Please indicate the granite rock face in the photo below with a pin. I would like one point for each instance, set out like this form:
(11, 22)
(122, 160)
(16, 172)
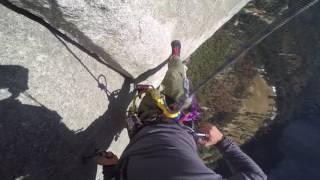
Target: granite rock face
(52, 111)
(133, 36)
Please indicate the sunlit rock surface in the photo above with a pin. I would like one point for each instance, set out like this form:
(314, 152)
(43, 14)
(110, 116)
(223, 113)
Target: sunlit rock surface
(133, 36)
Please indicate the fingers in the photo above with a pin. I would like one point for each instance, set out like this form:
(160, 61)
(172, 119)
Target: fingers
(205, 128)
(110, 155)
(202, 141)
(206, 125)
(106, 158)
(214, 134)
(105, 154)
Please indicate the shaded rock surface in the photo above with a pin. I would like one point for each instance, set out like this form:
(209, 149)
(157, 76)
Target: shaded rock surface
(51, 109)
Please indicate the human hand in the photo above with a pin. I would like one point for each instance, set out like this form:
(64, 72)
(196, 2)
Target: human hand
(106, 158)
(214, 135)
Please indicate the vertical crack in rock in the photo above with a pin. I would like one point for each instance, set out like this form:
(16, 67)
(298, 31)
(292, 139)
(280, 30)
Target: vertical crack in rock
(85, 44)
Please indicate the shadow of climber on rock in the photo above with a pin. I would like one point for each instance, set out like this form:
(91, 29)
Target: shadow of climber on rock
(30, 136)
(34, 142)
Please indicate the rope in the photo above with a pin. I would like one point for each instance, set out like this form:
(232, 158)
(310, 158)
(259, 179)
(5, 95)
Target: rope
(277, 24)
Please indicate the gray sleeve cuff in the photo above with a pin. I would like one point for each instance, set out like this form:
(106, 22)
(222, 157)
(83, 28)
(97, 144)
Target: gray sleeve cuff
(224, 144)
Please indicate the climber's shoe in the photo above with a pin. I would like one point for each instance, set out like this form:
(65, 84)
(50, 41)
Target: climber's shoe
(176, 47)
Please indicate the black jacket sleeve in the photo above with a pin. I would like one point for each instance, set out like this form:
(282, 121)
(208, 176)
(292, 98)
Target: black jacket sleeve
(110, 173)
(242, 166)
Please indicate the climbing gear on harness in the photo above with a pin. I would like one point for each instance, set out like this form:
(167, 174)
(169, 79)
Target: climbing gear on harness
(158, 98)
(134, 123)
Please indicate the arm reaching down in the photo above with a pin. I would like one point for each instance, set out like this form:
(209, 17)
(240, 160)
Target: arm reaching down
(109, 161)
(242, 166)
